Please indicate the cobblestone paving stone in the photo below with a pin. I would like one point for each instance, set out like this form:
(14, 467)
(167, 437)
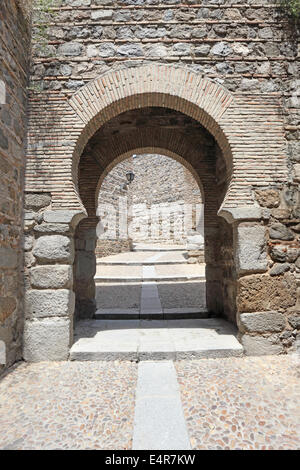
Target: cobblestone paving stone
(242, 403)
(228, 403)
(68, 405)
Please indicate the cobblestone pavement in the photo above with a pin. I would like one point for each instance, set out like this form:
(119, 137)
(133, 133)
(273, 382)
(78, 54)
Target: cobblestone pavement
(68, 405)
(242, 403)
(245, 403)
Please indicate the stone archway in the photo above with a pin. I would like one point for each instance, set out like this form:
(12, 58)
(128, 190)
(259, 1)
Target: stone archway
(245, 131)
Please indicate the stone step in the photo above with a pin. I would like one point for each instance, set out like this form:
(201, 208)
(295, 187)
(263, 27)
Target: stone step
(130, 279)
(157, 247)
(151, 273)
(140, 340)
(143, 259)
(139, 263)
(162, 314)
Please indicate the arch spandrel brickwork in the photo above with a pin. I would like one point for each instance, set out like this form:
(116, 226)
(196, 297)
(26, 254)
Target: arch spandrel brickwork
(248, 129)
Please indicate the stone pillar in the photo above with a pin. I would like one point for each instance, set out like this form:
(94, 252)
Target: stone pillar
(49, 297)
(85, 268)
(266, 248)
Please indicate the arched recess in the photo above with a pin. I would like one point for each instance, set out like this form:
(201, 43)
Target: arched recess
(93, 170)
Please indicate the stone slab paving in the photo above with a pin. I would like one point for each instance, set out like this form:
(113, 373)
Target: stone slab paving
(68, 405)
(159, 423)
(153, 340)
(242, 403)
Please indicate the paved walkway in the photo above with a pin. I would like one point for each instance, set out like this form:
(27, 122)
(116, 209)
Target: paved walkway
(140, 284)
(225, 403)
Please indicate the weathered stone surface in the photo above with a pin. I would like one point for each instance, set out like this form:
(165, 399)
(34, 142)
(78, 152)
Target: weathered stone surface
(292, 254)
(262, 322)
(251, 249)
(241, 213)
(294, 320)
(37, 201)
(260, 346)
(297, 172)
(49, 303)
(52, 277)
(268, 197)
(52, 228)
(61, 216)
(28, 242)
(102, 14)
(70, 49)
(258, 293)
(222, 49)
(47, 340)
(279, 268)
(279, 253)
(54, 248)
(280, 232)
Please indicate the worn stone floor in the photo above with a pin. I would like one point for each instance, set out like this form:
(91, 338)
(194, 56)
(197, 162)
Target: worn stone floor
(224, 403)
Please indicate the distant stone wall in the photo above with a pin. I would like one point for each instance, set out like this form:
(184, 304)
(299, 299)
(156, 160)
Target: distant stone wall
(14, 63)
(155, 201)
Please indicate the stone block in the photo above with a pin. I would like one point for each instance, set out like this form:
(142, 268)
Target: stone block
(240, 213)
(49, 303)
(98, 15)
(47, 340)
(268, 198)
(37, 201)
(259, 293)
(54, 248)
(279, 268)
(52, 228)
(70, 49)
(262, 322)
(61, 216)
(260, 346)
(279, 253)
(281, 232)
(294, 320)
(28, 242)
(251, 253)
(297, 172)
(52, 277)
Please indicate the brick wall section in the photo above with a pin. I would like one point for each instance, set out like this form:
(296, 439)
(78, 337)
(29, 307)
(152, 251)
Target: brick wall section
(14, 68)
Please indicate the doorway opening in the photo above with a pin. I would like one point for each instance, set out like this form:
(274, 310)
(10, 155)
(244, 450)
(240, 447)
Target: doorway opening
(150, 241)
(204, 287)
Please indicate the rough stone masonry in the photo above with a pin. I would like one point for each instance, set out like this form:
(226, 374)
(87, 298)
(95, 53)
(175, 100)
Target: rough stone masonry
(227, 74)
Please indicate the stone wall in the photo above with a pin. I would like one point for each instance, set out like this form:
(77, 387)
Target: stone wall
(14, 68)
(154, 202)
